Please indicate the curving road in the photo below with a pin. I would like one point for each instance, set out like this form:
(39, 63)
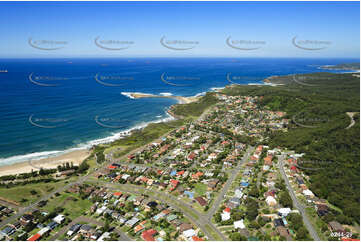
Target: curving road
(201, 220)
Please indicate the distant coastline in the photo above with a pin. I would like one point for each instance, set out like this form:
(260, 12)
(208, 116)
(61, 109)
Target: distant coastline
(342, 67)
(43, 157)
(180, 99)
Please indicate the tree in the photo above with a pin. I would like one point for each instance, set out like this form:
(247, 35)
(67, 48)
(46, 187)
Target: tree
(302, 233)
(217, 217)
(237, 215)
(286, 200)
(251, 209)
(254, 192)
(235, 236)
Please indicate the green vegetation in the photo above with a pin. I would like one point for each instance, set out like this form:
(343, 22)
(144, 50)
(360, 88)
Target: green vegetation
(195, 109)
(28, 193)
(345, 66)
(74, 206)
(321, 111)
(200, 188)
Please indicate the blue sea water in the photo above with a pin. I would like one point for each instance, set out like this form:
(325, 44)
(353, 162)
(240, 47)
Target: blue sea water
(49, 106)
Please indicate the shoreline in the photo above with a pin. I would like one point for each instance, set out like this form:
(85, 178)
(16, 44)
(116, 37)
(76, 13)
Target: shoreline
(54, 158)
(180, 99)
(78, 155)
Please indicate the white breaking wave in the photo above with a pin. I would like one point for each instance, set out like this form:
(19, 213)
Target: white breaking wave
(166, 94)
(216, 88)
(46, 154)
(200, 94)
(129, 94)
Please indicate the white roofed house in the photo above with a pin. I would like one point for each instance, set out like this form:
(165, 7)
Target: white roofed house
(59, 219)
(284, 212)
(189, 233)
(308, 193)
(239, 224)
(101, 210)
(271, 201)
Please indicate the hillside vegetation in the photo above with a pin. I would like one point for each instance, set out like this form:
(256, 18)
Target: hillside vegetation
(317, 104)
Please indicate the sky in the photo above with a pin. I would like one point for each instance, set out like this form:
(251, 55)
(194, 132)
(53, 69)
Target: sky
(180, 29)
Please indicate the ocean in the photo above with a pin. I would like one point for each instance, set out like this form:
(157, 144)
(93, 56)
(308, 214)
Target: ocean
(52, 106)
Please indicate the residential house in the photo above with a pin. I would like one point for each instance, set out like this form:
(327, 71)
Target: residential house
(336, 227)
(183, 227)
(148, 235)
(201, 201)
(282, 231)
(226, 214)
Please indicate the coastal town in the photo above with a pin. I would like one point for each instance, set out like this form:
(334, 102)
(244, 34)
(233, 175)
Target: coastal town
(210, 179)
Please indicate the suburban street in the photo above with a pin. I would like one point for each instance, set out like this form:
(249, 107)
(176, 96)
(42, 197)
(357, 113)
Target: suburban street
(228, 184)
(122, 235)
(299, 206)
(200, 220)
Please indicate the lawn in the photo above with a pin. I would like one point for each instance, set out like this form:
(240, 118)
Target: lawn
(200, 188)
(212, 232)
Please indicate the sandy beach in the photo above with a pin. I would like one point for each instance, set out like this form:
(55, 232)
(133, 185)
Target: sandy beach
(182, 100)
(79, 155)
(76, 157)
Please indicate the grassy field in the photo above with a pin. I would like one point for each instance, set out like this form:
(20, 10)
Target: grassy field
(211, 231)
(31, 192)
(72, 204)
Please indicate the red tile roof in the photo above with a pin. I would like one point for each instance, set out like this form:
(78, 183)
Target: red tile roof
(148, 235)
(180, 173)
(174, 182)
(195, 238)
(201, 201)
(35, 237)
(197, 175)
